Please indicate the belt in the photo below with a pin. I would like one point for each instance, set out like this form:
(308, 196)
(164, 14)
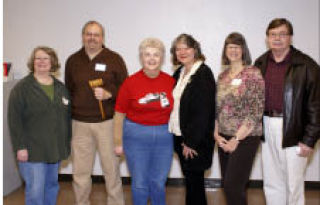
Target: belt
(273, 113)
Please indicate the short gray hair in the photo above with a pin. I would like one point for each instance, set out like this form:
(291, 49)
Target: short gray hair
(89, 23)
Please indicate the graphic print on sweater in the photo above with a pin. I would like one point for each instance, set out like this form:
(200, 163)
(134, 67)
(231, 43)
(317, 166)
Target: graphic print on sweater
(151, 97)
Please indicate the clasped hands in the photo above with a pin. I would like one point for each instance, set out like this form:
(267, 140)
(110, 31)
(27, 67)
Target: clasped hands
(228, 146)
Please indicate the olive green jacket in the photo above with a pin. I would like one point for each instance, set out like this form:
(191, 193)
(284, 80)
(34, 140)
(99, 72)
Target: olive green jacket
(40, 125)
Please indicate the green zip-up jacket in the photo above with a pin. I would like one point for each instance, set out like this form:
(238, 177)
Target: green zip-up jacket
(38, 124)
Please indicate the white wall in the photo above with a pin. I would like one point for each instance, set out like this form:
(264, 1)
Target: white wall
(58, 24)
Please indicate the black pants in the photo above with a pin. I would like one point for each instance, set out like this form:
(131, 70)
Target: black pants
(194, 180)
(236, 168)
(195, 191)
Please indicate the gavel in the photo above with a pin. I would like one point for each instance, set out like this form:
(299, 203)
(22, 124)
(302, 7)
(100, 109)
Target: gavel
(97, 83)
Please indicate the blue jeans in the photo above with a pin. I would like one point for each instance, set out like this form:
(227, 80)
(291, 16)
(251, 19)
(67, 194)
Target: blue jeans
(41, 181)
(148, 150)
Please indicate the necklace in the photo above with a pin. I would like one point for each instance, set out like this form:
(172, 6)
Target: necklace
(234, 72)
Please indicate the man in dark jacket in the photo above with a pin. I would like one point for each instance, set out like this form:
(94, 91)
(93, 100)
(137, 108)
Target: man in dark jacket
(292, 115)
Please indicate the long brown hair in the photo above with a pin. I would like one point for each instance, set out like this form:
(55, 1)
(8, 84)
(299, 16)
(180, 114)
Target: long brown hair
(238, 39)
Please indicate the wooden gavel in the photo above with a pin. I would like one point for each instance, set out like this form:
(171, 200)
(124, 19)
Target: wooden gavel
(97, 83)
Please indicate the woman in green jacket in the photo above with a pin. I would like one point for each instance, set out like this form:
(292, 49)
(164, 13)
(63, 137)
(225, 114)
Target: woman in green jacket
(40, 127)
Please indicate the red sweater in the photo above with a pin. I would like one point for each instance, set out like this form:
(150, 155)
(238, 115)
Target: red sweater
(145, 100)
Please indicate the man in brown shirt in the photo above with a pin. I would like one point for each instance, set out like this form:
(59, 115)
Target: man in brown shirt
(92, 112)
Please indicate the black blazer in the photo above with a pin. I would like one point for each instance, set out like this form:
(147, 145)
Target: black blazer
(197, 117)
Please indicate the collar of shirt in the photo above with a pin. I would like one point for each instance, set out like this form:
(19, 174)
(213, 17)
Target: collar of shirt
(286, 60)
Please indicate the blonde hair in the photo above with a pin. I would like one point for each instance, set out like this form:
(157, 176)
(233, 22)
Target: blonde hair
(152, 43)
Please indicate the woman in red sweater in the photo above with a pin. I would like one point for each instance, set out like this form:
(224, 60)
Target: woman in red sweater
(141, 119)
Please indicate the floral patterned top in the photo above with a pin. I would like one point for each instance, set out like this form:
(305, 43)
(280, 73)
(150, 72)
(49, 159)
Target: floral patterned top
(240, 101)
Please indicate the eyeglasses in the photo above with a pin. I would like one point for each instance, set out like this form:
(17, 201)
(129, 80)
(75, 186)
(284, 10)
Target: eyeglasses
(95, 35)
(229, 47)
(182, 49)
(41, 59)
(280, 35)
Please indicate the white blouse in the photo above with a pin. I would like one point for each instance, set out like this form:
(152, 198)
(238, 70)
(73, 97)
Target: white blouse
(174, 121)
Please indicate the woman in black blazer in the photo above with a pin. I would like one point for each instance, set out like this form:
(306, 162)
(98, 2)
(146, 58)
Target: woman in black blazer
(193, 116)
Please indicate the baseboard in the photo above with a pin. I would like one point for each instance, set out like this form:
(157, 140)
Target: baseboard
(209, 183)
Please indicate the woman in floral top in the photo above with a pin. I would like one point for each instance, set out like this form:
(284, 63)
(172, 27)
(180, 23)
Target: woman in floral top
(240, 105)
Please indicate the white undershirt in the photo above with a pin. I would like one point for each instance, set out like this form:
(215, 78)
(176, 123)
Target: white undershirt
(174, 122)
